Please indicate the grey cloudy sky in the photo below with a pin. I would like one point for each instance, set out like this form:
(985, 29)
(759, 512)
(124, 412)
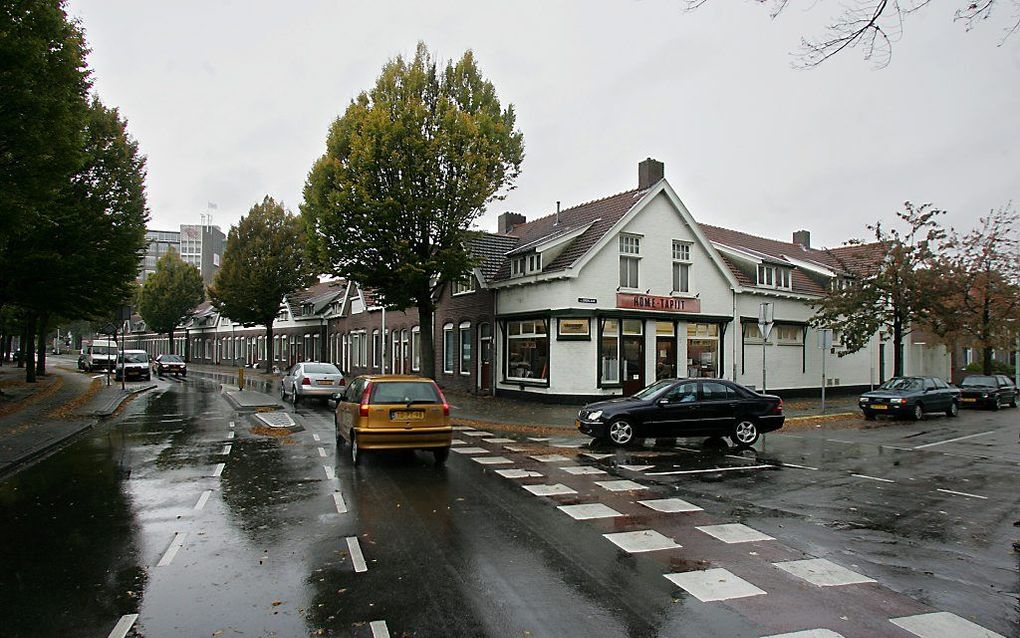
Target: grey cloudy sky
(231, 100)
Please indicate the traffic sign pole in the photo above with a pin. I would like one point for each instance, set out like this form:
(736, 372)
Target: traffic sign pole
(765, 323)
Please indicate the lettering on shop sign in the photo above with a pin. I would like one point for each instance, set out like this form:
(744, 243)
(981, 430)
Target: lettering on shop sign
(656, 302)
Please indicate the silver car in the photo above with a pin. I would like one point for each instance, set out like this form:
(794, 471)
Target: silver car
(311, 379)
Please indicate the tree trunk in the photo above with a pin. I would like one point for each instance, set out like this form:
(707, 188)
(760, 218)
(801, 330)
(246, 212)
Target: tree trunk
(28, 348)
(269, 348)
(426, 311)
(3, 348)
(170, 343)
(40, 361)
(986, 360)
(986, 347)
(897, 345)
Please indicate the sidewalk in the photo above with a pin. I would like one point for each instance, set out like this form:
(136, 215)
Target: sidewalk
(71, 405)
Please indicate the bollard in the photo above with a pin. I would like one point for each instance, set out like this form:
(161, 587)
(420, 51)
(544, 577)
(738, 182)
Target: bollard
(240, 379)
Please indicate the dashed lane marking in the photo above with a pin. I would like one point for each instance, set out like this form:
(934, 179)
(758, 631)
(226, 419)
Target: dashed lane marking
(171, 551)
(498, 439)
(98, 376)
(518, 474)
(799, 467)
(550, 458)
(315, 437)
(620, 486)
(218, 470)
(202, 500)
(710, 470)
(823, 573)
(123, 626)
(461, 428)
(477, 433)
(635, 468)
(555, 489)
(873, 478)
(734, 533)
(469, 450)
(959, 438)
(329, 472)
(230, 434)
(379, 629)
(226, 449)
(644, 540)
(491, 460)
(457, 442)
(597, 457)
(670, 505)
(231, 424)
(808, 633)
(942, 624)
(322, 452)
(582, 469)
(586, 511)
(341, 505)
(708, 585)
(968, 495)
(538, 439)
(357, 558)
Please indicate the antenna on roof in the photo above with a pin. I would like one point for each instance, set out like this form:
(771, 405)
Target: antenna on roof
(557, 213)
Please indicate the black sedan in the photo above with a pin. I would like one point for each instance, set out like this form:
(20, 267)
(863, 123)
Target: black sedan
(684, 408)
(911, 397)
(170, 364)
(990, 391)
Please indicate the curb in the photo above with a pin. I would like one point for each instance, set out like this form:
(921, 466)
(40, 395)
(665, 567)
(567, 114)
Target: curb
(103, 414)
(807, 418)
(249, 408)
(39, 454)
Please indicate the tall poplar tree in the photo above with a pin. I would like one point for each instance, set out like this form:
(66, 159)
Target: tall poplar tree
(408, 167)
(264, 261)
(169, 295)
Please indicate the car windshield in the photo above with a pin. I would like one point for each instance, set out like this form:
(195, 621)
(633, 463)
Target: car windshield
(170, 358)
(902, 384)
(653, 389)
(103, 350)
(404, 392)
(321, 368)
(976, 380)
(133, 357)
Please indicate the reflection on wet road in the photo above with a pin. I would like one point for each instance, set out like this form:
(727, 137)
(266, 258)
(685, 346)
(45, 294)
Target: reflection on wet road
(179, 513)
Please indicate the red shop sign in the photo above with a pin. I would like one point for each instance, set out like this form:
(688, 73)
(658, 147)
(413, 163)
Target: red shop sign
(658, 303)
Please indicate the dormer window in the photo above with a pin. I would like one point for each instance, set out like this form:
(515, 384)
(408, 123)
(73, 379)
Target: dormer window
(464, 286)
(306, 309)
(526, 265)
(774, 277)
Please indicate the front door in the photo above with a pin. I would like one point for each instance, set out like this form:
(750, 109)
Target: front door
(485, 357)
(633, 364)
(665, 358)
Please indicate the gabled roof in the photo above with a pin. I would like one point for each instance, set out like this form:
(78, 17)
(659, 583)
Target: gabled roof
(320, 295)
(858, 258)
(490, 250)
(600, 214)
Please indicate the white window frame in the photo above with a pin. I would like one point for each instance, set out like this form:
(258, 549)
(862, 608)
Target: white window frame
(376, 348)
(448, 348)
(415, 349)
(464, 339)
(464, 286)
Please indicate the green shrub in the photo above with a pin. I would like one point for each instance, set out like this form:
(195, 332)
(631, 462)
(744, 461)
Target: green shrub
(998, 367)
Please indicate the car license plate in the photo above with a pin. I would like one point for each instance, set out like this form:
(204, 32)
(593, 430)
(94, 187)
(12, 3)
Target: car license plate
(324, 382)
(407, 415)
(965, 400)
(879, 407)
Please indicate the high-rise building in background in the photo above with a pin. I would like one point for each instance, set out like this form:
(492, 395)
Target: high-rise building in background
(200, 245)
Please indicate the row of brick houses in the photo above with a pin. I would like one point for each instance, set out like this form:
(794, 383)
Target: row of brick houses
(593, 300)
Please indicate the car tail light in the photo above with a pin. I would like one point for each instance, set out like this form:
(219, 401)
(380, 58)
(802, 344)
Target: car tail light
(446, 404)
(779, 407)
(341, 381)
(306, 381)
(363, 408)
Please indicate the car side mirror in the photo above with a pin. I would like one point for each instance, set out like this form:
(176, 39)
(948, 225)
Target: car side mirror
(662, 403)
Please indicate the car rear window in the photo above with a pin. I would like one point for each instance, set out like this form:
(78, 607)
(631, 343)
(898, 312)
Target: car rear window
(133, 357)
(170, 358)
(321, 368)
(978, 381)
(404, 392)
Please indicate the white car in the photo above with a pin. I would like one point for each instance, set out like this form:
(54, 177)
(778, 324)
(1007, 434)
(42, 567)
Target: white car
(311, 379)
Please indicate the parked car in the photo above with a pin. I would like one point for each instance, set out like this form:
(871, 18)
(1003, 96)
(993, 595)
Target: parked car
(170, 364)
(991, 391)
(311, 379)
(101, 354)
(684, 408)
(82, 365)
(912, 397)
(133, 364)
(378, 412)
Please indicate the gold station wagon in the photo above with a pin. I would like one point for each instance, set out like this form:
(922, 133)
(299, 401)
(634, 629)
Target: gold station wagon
(387, 412)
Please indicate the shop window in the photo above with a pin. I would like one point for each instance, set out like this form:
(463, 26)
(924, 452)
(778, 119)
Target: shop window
(465, 348)
(448, 352)
(609, 363)
(527, 351)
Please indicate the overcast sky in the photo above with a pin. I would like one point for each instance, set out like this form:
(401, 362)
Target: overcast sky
(232, 100)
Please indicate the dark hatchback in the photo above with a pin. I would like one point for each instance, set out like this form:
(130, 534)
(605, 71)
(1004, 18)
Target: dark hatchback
(911, 397)
(987, 391)
(684, 408)
(170, 364)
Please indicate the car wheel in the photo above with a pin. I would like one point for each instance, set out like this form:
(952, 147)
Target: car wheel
(440, 455)
(953, 409)
(918, 412)
(295, 398)
(283, 391)
(868, 416)
(1012, 402)
(354, 451)
(995, 404)
(148, 377)
(621, 432)
(745, 433)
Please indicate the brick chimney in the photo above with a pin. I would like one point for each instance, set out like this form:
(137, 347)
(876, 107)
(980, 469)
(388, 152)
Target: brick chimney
(802, 237)
(507, 221)
(649, 172)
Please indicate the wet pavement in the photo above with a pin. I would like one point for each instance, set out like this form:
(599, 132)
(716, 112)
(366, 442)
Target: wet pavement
(179, 518)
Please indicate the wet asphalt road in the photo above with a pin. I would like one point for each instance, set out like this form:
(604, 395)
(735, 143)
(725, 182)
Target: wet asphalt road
(204, 529)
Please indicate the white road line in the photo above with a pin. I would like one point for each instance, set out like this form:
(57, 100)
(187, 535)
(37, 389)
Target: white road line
(872, 478)
(841, 441)
(98, 376)
(226, 449)
(714, 469)
(315, 437)
(983, 498)
(329, 472)
(202, 500)
(322, 452)
(379, 629)
(688, 449)
(799, 467)
(230, 434)
(959, 438)
(341, 505)
(123, 625)
(219, 469)
(171, 551)
(231, 424)
(357, 558)
(897, 447)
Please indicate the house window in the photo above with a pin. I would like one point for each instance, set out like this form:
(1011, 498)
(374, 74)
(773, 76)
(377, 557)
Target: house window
(463, 286)
(573, 328)
(788, 335)
(630, 257)
(518, 266)
(609, 359)
(415, 349)
(534, 263)
(774, 277)
(681, 266)
(527, 351)
(465, 348)
(448, 353)
(376, 348)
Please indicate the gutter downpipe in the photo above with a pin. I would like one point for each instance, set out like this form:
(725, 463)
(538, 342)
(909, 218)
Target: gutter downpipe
(737, 327)
(382, 340)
